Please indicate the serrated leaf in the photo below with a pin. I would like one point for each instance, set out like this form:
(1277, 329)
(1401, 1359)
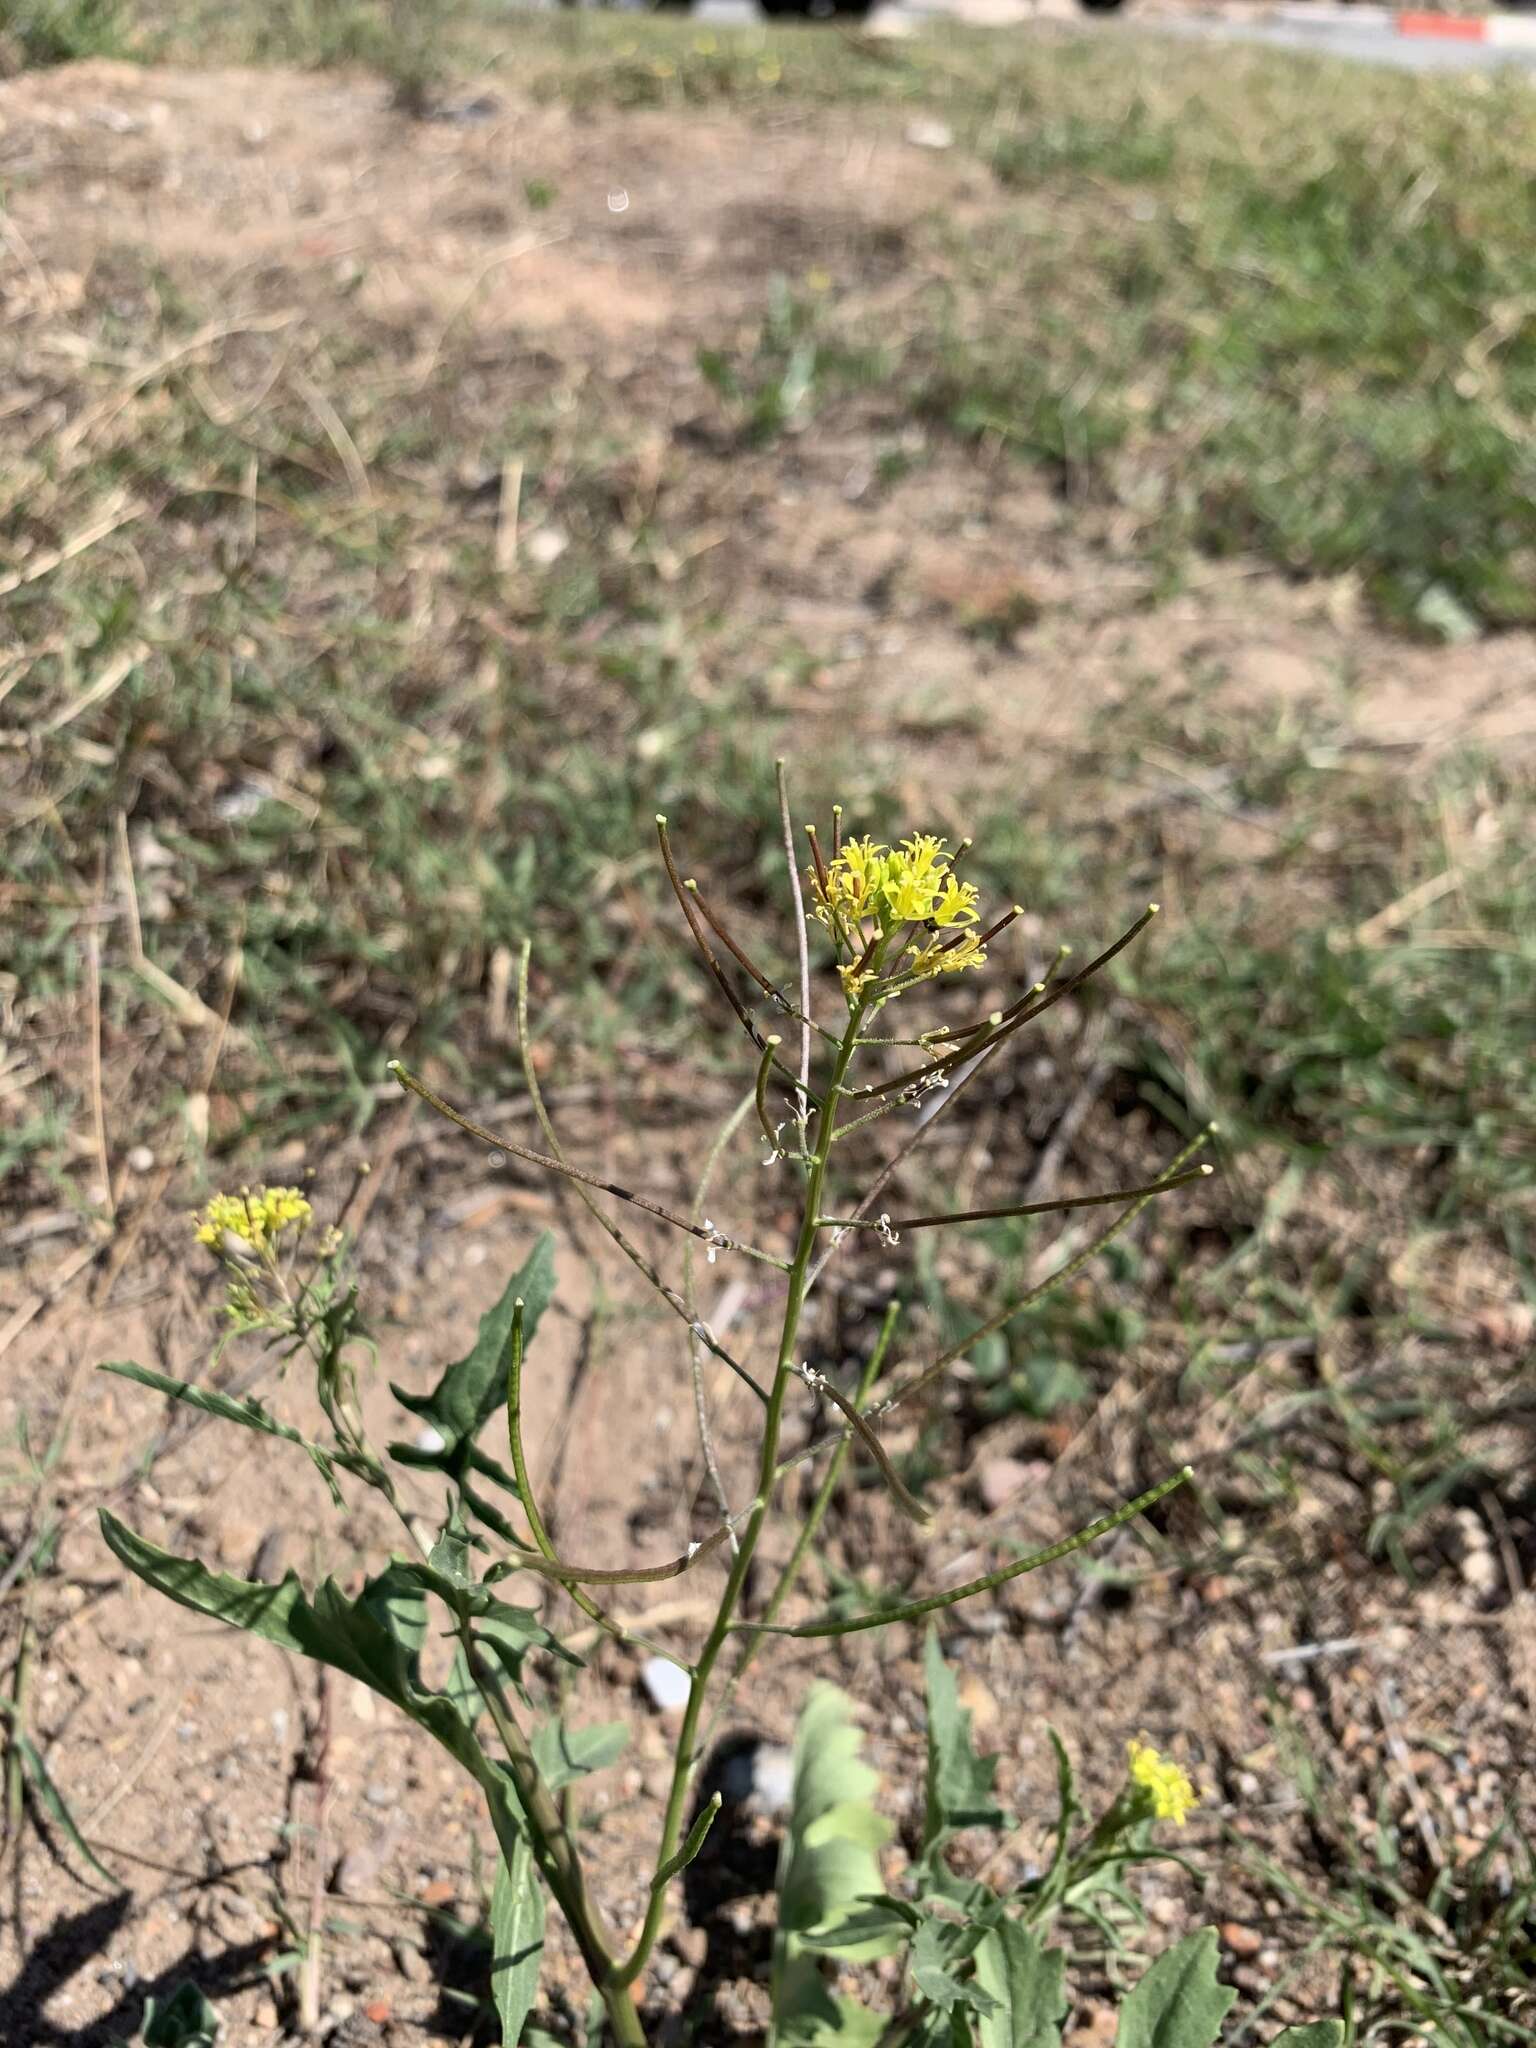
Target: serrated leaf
(1025, 1978)
(510, 1630)
(1179, 2003)
(932, 1966)
(374, 1639)
(507, 1637)
(250, 1604)
(959, 1781)
(564, 1754)
(874, 1920)
(517, 1940)
(449, 1555)
(470, 1391)
(248, 1413)
(377, 1637)
(1311, 2034)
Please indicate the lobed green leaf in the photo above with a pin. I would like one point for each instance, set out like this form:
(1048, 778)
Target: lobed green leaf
(374, 1638)
(564, 1754)
(959, 1783)
(832, 1898)
(1025, 1980)
(939, 1946)
(248, 1413)
(1179, 2003)
(470, 1391)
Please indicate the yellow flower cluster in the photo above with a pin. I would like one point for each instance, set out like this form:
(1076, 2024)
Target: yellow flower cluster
(255, 1216)
(1173, 1795)
(889, 887)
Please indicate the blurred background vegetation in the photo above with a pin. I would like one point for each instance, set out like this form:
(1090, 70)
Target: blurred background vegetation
(341, 652)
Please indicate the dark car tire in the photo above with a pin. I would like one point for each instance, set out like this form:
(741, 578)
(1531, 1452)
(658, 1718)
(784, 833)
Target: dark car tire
(814, 10)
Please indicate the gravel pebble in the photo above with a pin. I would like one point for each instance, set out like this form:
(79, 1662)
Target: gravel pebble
(666, 1684)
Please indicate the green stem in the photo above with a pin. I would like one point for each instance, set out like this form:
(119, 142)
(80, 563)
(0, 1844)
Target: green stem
(553, 1849)
(784, 1372)
(536, 1526)
(554, 1853)
(15, 1784)
(914, 1610)
(723, 1138)
(813, 1521)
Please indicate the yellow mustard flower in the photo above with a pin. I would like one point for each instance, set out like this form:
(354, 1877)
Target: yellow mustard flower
(872, 890)
(1172, 1793)
(254, 1217)
(943, 956)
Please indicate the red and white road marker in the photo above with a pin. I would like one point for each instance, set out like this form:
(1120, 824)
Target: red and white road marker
(1504, 31)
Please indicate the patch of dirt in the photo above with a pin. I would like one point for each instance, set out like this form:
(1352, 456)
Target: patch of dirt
(187, 1752)
(311, 193)
(236, 170)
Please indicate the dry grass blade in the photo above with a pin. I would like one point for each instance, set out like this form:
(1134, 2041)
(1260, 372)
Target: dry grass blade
(69, 442)
(109, 677)
(117, 512)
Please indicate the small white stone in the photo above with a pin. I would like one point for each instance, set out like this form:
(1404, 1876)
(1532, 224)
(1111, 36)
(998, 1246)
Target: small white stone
(430, 1439)
(141, 1160)
(545, 546)
(773, 1777)
(927, 134)
(666, 1684)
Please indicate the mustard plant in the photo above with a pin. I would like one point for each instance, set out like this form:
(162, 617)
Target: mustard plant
(874, 926)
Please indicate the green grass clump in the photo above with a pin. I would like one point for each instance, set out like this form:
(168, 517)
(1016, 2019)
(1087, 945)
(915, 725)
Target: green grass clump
(1441, 1946)
(348, 761)
(1264, 305)
(1359, 988)
(62, 31)
(1271, 308)
(1275, 318)
(798, 358)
